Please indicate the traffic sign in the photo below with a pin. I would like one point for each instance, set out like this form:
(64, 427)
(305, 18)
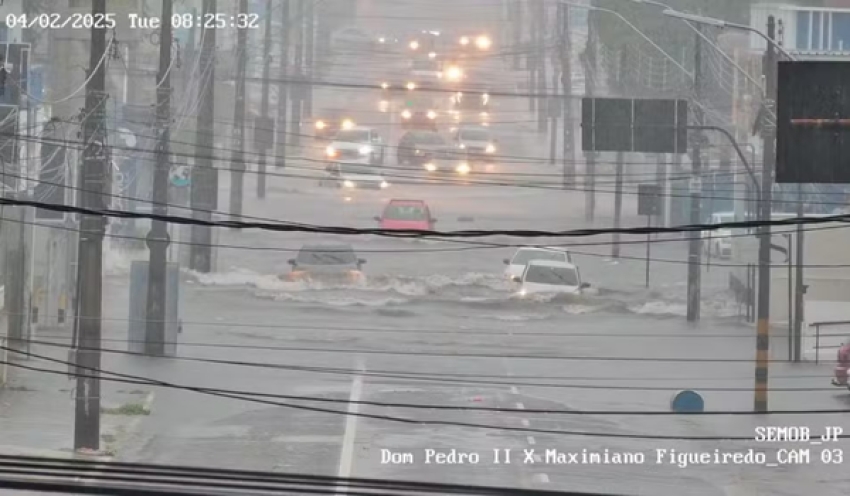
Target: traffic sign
(180, 176)
(649, 199)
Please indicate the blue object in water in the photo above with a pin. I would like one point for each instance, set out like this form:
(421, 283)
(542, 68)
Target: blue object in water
(687, 401)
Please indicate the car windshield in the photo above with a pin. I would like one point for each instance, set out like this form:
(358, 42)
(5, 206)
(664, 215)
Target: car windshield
(474, 135)
(524, 256)
(405, 212)
(555, 276)
(429, 139)
(425, 65)
(352, 136)
(319, 255)
(358, 169)
(472, 102)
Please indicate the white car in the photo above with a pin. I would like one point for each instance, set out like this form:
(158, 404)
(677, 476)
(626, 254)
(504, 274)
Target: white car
(353, 176)
(477, 142)
(516, 264)
(357, 145)
(548, 277)
(718, 243)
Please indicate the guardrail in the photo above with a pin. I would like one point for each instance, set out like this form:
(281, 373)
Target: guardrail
(818, 335)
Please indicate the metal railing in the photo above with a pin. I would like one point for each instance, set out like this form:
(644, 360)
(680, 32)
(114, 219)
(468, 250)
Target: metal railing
(818, 325)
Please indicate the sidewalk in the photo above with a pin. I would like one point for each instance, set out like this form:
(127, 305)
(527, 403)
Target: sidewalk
(37, 407)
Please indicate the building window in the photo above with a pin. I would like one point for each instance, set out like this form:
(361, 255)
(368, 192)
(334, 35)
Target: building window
(4, 32)
(841, 31)
(817, 32)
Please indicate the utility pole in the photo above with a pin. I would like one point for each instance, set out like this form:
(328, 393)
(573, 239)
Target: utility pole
(542, 101)
(799, 288)
(158, 236)
(237, 158)
(204, 174)
(554, 107)
(282, 88)
(298, 63)
(264, 105)
(92, 229)
(309, 57)
(531, 58)
(695, 244)
(589, 61)
(518, 8)
(569, 159)
(769, 154)
(618, 207)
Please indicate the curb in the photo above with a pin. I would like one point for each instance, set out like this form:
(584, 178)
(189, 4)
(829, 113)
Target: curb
(43, 453)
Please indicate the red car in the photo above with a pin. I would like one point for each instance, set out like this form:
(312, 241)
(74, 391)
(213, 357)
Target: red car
(406, 214)
(842, 367)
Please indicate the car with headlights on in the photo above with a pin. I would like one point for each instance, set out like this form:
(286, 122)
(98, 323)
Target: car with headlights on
(551, 277)
(354, 176)
(406, 214)
(330, 122)
(718, 242)
(362, 145)
(471, 107)
(447, 161)
(326, 263)
(515, 265)
(476, 142)
(416, 148)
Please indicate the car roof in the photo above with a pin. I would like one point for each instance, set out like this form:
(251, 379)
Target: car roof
(359, 128)
(397, 201)
(553, 264)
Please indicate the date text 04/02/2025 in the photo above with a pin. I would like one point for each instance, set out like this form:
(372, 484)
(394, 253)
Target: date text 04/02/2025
(666, 456)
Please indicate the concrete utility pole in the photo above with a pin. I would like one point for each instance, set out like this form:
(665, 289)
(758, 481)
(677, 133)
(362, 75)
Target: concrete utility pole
(769, 154)
(237, 158)
(517, 24)
(531, 57)
(158, 236)
(695, 244)
(297, 93)
(618, 207)
(282, 88)
(264, 105)
(309, 56)
(569, 159)
(589, 61)
(542, 101)
(554, 106)
(204, 174)
(92, 228)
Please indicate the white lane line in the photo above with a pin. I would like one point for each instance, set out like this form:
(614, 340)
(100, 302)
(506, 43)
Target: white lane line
(541, 478)
(524, 422)
(531, 440)
(514, 390)
(520, 406)
(346, 455)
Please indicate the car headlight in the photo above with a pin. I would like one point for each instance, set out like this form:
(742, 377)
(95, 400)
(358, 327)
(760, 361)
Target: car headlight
(384, 185)
(484, 115)
(414, 45)
(483, 42)
(365, 150)
(432, 115)
(462, 168)
(462, 146)
(523, 292)
(384, 106)
(385, 85)
(430, 167)
(432, 55)
(454, 73)
(490, 148)
(347, 124)
(464, 40)
(348, 184)
(320, 125)
(411, 86)
(406, 114)
(330, 151)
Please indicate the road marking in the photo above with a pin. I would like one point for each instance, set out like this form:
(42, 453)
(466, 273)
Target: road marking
(514, 390)
(541, 478)
(350, 433)
(531, 440)
(524, 422)
(520, 406)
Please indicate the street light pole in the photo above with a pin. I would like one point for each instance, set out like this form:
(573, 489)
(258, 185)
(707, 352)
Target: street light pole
(695, 244)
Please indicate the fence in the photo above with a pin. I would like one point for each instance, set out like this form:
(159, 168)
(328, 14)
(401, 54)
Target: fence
(827, 340)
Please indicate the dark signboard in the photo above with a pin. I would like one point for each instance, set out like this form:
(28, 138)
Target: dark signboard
(627, 125)
(649, 199)
(813, 122)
